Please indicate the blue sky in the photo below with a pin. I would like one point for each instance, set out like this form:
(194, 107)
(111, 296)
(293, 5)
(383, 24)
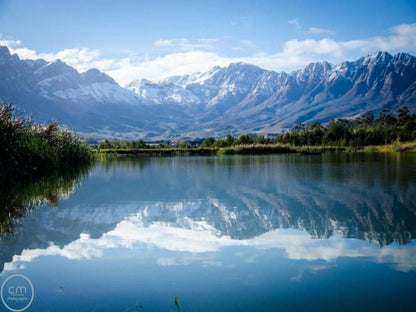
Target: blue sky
(155, 39)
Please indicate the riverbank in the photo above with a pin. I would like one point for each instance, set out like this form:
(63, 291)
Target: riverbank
(409, 147)
(202, 151)
(255, 149)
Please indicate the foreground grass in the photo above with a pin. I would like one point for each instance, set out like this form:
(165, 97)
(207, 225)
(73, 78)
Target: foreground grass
(29, 150)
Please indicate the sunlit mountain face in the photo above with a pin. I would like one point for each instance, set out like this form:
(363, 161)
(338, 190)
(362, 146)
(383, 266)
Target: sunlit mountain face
(238, 98)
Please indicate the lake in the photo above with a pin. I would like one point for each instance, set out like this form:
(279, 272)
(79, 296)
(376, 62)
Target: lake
(288, 232)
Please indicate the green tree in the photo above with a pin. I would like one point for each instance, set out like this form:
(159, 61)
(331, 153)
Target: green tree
(338, 133)
(104, 144)
(403, 114)
(229, 140)
(209, 142)
(368, 119)
(244, 139)
(141, 143)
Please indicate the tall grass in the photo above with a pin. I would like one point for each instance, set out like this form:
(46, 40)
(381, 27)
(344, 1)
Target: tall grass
(29, 150)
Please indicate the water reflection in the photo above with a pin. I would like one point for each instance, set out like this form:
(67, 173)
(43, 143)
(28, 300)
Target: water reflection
(188, 239)
(17, 198)
(367, 196)
(195, 207)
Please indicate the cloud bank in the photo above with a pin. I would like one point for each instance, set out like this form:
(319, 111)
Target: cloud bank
(184, 56)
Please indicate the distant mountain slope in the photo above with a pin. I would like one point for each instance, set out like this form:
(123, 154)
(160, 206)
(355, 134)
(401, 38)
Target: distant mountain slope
(246, 97)
(90, 102)
(239, 98)
(54, 90)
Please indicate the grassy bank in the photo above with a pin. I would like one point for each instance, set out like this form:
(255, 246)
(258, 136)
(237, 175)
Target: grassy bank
(395, 147)
(29, 150)
(171, 151)
(255, 149)
(202, 151)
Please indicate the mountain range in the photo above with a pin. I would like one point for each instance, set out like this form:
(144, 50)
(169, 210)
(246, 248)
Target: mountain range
(239, 98)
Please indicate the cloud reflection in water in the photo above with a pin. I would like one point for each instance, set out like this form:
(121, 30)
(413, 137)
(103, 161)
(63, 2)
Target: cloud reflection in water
(197, 241)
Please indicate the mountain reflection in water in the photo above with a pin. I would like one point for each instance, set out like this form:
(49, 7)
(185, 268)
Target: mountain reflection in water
(305, 205)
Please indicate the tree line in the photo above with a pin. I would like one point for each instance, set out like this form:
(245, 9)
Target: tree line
(365, 130)
(210, 142)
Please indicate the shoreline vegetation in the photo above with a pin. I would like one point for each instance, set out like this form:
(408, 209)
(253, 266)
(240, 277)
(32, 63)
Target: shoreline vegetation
(42, 163)
(390, 132)
(31, 151)
(38, 164)
(258, 150)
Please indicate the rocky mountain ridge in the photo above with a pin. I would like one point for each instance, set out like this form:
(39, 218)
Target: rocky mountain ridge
(239, 98)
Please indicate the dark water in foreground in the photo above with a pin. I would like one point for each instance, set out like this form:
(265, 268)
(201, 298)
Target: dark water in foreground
(263, 233)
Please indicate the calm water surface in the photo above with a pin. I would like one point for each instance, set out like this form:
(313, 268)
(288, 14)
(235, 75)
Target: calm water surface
(260, 233)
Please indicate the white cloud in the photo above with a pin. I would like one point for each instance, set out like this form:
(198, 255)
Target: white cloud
(80, 58)
(295, 54)
(208, 40)
(249, 43)
(311, 30)
(183, 63)
(295, 22)
(163, 43)
(319, 31)
(183, 56)
(172, 64)
(311, 46)
(184, 44)
(402, 37)
(9, 43)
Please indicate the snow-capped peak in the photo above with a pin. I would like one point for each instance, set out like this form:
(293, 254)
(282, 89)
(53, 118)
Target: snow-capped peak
(376, 58)
(94, 76)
